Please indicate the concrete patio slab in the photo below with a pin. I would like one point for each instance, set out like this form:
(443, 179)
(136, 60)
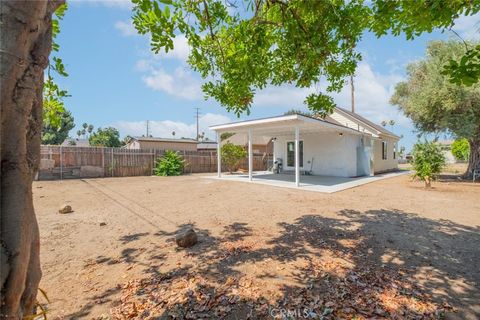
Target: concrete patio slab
(325, 184)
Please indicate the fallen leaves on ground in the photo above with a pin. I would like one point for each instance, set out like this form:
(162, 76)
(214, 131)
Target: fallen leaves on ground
(330, 290)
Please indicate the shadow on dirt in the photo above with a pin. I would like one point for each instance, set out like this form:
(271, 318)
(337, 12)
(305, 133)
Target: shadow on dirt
(384, 250)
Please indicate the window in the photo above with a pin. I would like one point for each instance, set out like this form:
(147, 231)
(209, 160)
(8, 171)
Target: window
(384, 150)
(291, 153)
(394, 152)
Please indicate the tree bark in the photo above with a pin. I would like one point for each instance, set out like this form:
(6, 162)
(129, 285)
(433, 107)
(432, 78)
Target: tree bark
(26, 37)
(474, 158)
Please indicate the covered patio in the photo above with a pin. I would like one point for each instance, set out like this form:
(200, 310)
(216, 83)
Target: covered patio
(324, 184)
(311, 153)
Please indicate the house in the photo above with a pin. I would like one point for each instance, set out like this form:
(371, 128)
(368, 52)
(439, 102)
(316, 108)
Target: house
(261, 145)
(75, 142)
(343, 144)
(207, 146)
(150, 143)
(446, 146)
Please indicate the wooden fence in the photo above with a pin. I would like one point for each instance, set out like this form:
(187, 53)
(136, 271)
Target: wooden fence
(59, 162)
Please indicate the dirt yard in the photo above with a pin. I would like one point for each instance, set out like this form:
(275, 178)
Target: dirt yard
(386, 249)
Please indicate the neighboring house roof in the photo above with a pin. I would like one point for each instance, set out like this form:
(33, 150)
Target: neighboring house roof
(445, 142)
(207, 145)
(152, 139)
(366, 122)
(78, 142)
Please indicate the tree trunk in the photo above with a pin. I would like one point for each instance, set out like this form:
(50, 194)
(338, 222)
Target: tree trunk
(474, 158)
(26, 36)
(428, 182)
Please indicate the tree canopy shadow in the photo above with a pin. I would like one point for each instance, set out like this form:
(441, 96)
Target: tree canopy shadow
(439, 256)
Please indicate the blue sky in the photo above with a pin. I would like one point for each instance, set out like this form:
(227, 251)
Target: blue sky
(115, 80)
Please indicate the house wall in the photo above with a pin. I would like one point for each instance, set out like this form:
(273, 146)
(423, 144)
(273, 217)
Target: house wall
(379, 164)
(333, 155)
(343, 120)
(163, 145)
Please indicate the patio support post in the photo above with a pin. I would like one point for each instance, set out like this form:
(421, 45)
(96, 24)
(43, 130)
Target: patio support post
(250, 155)
(297, 156)
(372, 157)
(219, 156)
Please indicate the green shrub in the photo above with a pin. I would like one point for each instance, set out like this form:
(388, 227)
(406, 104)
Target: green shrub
(428, 161)
(461, 149)
(232, 155)
(171, 164)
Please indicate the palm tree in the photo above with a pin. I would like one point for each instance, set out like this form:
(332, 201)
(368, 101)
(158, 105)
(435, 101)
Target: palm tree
(384, 123)
(90, 128)
(391, 123)
(79, 133)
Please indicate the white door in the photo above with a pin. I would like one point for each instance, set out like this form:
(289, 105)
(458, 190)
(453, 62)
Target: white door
(291, 154)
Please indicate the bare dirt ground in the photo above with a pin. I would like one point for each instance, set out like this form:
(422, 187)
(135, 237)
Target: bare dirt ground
(380, 250)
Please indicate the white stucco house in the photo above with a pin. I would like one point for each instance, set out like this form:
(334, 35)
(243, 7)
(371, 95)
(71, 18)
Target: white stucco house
(343, 144)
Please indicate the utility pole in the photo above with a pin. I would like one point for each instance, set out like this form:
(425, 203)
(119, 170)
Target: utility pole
(352, 88)
(147, 130)
(197, 116)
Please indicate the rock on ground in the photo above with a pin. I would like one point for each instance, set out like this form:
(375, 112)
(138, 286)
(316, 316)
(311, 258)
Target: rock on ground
(186, 238)
(65, 208)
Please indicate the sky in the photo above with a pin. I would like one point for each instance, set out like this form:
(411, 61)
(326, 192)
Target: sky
(115, 80)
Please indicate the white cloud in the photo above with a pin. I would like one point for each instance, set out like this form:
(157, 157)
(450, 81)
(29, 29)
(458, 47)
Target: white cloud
(468, 27)
(126, 28)
(180, 51)
(180, 83)
(122, 4)
(165, 128)
(285, 96)
(372, 94)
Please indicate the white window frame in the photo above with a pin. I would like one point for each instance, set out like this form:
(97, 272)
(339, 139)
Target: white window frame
(384, 150)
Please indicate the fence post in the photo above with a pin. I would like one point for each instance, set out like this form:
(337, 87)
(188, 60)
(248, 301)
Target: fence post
(61, 162)
(112, 163)
(153, 160)
(103, 161)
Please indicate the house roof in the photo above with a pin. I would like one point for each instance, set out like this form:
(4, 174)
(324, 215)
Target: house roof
(78, 142)
(283, 121)
(156, 139)
(367, 122)
(207, 145)
(300, 118)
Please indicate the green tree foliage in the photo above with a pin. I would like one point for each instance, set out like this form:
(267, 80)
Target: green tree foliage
(58, 133)
(232, 155)
(428, 161)
(226, 135)
(301, 112)
(461, 149)
(466, 69)
(53, 95)
(435, 104)
(108, 137)
(239, 47)
(171, 164)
